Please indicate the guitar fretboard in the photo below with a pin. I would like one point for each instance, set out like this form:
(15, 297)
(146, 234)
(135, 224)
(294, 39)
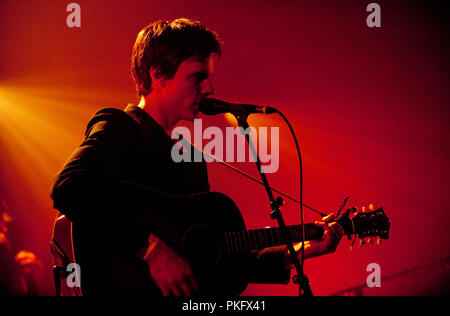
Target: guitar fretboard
(247, 240)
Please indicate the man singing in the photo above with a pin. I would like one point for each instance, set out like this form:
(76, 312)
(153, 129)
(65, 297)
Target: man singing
(107, 187)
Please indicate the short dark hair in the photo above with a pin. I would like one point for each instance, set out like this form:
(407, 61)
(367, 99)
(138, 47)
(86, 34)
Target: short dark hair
(166, 45)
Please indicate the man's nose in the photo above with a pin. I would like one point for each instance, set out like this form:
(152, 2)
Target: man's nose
(207, 87)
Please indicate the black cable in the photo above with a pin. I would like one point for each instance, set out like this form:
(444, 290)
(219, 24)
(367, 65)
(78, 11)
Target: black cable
(302, 223)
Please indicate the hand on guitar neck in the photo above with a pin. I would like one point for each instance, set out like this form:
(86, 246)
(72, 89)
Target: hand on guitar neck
(333, 233)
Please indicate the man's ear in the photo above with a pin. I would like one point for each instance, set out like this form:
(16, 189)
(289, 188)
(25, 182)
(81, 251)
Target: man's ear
(157, 77)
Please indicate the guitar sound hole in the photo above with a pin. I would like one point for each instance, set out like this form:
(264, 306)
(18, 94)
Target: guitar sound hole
(201, 246)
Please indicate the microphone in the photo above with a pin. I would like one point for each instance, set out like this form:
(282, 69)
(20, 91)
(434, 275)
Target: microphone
(212, 106)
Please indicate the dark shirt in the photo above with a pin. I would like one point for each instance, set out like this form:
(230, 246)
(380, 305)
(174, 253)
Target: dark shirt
(106, 189)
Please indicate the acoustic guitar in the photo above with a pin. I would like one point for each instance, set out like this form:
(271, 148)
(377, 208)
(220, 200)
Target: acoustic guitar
(208, 230)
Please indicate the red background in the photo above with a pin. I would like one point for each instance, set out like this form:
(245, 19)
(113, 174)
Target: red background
(369, 105)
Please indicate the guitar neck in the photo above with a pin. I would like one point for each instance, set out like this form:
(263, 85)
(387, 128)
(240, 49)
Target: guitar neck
(257, 239)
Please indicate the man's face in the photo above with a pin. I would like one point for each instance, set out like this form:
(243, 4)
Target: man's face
(190, 84)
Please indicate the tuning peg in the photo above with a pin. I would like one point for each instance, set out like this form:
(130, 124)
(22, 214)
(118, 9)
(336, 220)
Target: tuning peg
(379, 241)
(362, 242)
(363, 209)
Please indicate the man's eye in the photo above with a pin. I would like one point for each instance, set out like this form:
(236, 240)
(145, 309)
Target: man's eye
(200, 77)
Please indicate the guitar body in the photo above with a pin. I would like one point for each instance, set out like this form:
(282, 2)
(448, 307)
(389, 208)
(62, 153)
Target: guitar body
(208, 217)
(195, 229)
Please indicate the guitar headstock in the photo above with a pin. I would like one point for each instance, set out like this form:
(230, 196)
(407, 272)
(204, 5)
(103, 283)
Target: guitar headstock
(373, 223)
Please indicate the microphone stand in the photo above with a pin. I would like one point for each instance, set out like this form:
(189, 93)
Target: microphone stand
(301, 279)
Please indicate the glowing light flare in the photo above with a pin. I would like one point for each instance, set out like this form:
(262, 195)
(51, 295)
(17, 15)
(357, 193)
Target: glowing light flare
(37, 133)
